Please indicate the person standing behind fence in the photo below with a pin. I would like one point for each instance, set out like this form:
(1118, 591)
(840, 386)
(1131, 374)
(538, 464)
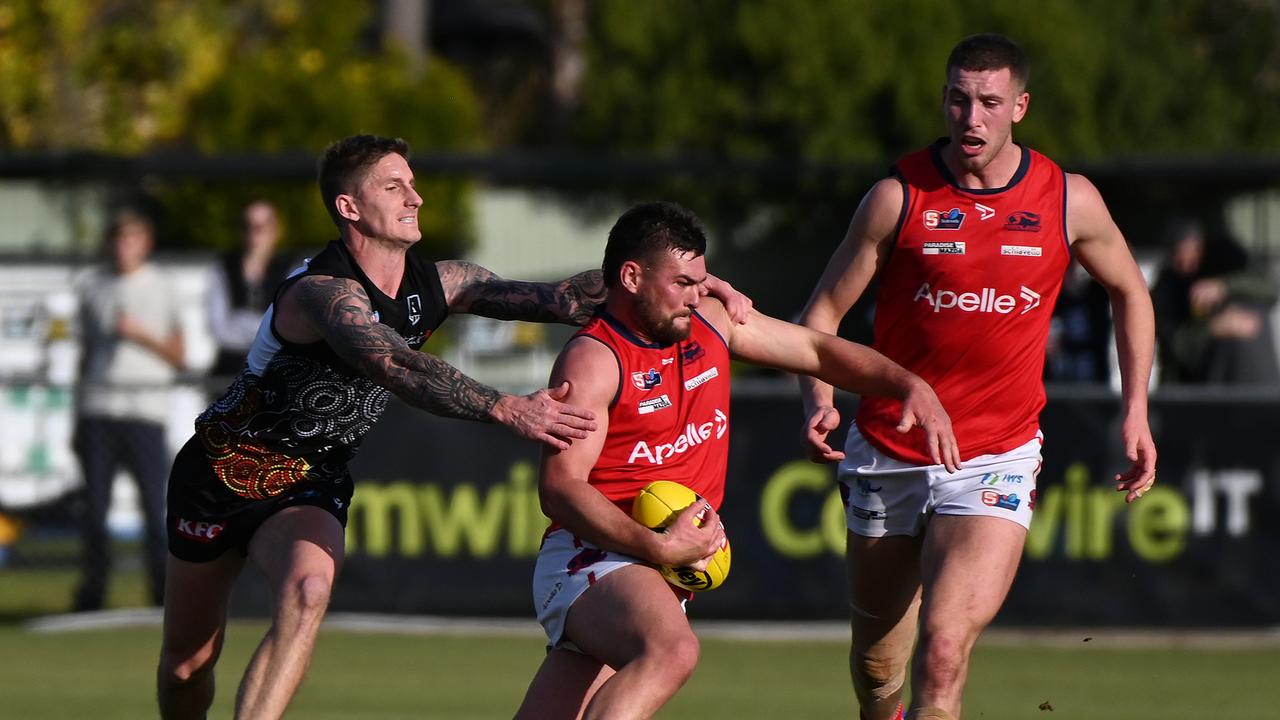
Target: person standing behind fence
(1212, 313)
(132, 347)
(241, 285)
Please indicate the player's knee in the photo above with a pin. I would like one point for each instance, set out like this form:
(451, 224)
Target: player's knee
(674, 654)
(309, 594)
(180, 668)
(877, 672)
(684, 654)
(943, 659)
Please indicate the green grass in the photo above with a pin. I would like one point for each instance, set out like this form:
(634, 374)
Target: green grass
(107, 674)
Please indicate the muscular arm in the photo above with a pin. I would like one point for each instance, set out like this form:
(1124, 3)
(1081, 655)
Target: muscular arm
(592, 374)
(469, 288)
(1101, 249)
(863, 252)
(339, 311)
(763, 340)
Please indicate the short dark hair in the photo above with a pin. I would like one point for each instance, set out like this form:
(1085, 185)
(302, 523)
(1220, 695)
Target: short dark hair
(126, 216)
(647, 230)
(990, 51)
(346, 162)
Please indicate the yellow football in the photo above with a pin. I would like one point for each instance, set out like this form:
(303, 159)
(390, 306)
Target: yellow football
(656, 507)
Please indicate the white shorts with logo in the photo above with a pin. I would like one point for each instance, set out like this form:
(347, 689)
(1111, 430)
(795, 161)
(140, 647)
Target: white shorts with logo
(566, 567)
(884, 496)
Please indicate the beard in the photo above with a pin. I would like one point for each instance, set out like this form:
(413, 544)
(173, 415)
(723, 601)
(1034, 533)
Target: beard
(660, 327)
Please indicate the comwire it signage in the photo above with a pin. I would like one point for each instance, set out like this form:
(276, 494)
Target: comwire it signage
(446, 520)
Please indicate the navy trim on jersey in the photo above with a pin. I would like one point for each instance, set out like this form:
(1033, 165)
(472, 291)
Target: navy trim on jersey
(1066, 239)
(1024, 165)
(617, 392)
(626, 333)
(902, 214)
(711, 327)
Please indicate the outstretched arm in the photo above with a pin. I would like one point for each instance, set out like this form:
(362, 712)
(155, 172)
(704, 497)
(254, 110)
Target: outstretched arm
(767, 341)
(591, 372)
(470, 288)
(339, 311)
(1102, 250)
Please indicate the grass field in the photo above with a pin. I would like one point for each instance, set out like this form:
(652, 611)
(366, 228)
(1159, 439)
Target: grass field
(107, 674)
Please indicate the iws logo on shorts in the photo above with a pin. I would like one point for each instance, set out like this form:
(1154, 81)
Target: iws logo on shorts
(200, 531)
(1000, 500)
(998, 478)
(936, 220)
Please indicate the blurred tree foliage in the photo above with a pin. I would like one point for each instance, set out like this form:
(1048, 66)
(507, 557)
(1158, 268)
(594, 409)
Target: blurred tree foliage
(257, 76)
(860, 80)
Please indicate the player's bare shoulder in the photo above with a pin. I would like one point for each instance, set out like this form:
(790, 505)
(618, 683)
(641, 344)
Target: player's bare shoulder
(1087, 213)
(591, 369)
(881, 209)
(715, 313)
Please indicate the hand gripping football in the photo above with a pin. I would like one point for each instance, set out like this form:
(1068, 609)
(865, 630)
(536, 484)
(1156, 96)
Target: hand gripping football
(657, 507)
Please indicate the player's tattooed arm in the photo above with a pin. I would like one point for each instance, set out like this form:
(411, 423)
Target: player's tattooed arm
(341, 309)
(469, 288)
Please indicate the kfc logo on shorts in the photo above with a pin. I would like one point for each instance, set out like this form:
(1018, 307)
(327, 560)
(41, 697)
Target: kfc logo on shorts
(1004, 502)
(202, 532)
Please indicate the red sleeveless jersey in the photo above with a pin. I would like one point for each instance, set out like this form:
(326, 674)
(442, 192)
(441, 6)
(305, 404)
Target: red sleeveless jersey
(670, 418)
(965, 302)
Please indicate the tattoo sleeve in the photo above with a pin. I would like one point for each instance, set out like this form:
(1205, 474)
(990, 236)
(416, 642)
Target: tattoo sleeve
(342, 309)
(478, 291)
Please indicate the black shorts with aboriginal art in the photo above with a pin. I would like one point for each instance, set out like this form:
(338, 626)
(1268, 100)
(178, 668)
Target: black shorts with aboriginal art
(206, 517)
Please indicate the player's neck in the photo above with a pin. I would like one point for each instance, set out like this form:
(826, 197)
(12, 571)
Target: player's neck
(998, 172)
(382, 261)
(625, 314)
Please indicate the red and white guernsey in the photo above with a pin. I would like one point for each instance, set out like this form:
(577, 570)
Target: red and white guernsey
(670, 418)
(965, 302)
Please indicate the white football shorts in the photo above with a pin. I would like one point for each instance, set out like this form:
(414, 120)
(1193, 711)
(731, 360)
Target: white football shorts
(566, 567)
(884, 496)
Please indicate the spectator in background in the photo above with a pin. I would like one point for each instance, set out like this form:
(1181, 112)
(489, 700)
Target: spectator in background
(1212, 312)
(241, 287)
(1080, 332)
(132, 347)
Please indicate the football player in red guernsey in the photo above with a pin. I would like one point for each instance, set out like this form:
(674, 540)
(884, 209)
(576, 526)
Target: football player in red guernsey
(653, 366)
(970, 237)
